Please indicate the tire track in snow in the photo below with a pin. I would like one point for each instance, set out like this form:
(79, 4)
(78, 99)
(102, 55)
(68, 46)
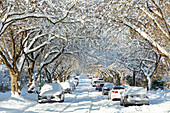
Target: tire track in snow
(82, 100)
(91, 103)
(69, 105)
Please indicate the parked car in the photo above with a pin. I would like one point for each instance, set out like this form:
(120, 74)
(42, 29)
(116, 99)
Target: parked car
(51, 92)
(67, 87)
(99, 86)
(92, 81)
(73, 85)
(115, 92)
(134, 96)
(106, 88)
(97, 81)
(90, 76)
(77, 80)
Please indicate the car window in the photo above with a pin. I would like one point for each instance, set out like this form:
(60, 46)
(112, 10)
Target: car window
(108, 84)
(118, 88)
(101, 85)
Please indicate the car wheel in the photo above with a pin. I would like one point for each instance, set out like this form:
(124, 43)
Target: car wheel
(108, 97)
(62, 98)
(125, 104)
(40, 101)
(121, 104)
(146, 104)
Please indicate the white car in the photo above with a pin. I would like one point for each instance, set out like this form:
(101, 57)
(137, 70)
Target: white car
(51, 92)
(115, 92)
(134, 96)
(93, 81)
(96, 82)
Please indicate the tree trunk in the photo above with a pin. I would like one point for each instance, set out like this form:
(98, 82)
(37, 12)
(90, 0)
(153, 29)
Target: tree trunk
(15, 83)
(118, 80)
(123, 79)
(30, 73)
(134, 80)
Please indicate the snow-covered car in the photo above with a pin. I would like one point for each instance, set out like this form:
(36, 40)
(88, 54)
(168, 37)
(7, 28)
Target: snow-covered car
(98, 81)
(76, 79)
(134, 96)
(90, 76)
(51, 92)
(92, 81)
(66, 86)
(106, 88)
(115, 92)
(73, 85)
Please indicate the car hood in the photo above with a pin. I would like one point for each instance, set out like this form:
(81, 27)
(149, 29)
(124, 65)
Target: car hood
(51, 92)
(50, 89)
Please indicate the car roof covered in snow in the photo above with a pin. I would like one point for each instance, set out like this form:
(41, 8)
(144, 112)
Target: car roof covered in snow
(50, 88)
(136, 90)
(108, 84)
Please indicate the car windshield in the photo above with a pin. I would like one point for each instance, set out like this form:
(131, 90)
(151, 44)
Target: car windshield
(136, 90)
(101, 85)
(98, 81)
(109, 85)
(118, 87)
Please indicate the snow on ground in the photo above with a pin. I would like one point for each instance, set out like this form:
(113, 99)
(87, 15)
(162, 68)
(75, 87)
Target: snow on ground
(84, 99)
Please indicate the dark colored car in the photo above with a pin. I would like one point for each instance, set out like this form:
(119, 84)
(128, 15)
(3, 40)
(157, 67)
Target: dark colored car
(99, 86)
(106, 88)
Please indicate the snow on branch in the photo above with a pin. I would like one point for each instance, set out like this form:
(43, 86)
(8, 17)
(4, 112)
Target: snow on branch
(21, 62)
(46, 62)
(161, 50)
(154, 20)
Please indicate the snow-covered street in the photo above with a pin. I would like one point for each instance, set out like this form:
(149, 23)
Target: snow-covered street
(84, 99)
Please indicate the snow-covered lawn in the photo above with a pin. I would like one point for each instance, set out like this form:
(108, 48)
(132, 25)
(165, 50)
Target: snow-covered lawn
(84, 99)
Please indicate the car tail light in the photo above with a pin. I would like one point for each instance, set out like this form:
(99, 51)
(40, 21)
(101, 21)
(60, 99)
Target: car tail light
(147, 97)
(126, 96)
(114, 91)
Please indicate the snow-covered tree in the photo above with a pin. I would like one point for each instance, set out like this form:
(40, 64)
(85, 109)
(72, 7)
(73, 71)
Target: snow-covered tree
(15, 30)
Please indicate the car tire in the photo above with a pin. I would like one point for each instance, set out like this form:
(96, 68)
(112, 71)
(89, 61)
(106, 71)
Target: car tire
(62, 99)
(125, 104)
(40, 102)
(121, 104)
(108, 98)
